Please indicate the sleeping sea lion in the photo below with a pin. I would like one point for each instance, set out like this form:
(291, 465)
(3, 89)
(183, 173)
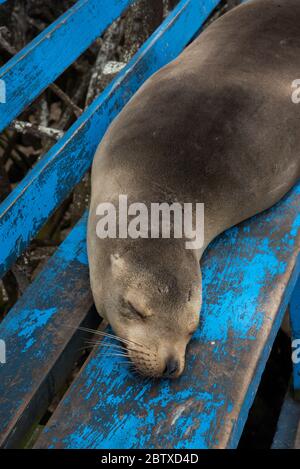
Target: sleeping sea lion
(218, 126)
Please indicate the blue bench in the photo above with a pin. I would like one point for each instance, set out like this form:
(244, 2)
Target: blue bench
(287, 434)
(249, 275)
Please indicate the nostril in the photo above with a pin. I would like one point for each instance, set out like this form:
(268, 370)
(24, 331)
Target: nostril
(172, 366)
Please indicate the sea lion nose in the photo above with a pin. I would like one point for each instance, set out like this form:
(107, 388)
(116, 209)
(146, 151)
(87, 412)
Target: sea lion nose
(172, 366)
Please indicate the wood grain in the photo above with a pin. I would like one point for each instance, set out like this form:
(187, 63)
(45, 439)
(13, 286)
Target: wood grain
(249, 274)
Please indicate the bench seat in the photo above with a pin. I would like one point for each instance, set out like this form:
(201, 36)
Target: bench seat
(42, 340)
(249, 274)
(288, 427)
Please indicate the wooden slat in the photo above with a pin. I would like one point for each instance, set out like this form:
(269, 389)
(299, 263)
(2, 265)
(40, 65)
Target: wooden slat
(297, 442)
(41, 345)
(248, 275)
(288, 426)
(28, 73)
(295, 327)
(26, 209)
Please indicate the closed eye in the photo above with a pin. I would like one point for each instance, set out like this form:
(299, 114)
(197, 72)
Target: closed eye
(133, 312)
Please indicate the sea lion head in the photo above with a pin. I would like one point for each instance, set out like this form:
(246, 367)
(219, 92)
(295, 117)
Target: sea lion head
(154, 304)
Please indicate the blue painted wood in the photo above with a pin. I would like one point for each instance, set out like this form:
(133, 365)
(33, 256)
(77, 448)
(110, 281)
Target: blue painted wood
(26, 209)
(288, 425)
(41, 345)
(249, 274)
(28, 73)
(39, 315)
(295, 327)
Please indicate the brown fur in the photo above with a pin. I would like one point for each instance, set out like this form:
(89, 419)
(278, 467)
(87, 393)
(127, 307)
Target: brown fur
(216, 126)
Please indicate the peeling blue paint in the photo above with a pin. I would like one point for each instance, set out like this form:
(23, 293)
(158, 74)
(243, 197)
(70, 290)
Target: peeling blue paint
(107, 407)
(37, 328)
(34, 320)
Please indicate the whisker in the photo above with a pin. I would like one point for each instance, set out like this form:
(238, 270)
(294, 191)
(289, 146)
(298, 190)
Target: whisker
(101, 333)
(112, 346)
(123, 362)
(101, 344)
(104, 344)
(104, 354)
(84, 348)
(112, 336)
(87, 347)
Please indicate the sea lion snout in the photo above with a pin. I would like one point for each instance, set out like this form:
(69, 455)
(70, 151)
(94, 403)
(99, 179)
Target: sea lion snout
(172, 368)
(152, 360)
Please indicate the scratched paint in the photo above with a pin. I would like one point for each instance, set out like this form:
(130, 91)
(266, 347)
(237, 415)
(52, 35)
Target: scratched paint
(38, 327)
(232, 310)
(27, 323)
(192, 411)
(248, 278)
(74, 247)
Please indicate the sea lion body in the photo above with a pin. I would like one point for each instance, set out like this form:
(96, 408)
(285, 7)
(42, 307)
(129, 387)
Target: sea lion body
(216, 126)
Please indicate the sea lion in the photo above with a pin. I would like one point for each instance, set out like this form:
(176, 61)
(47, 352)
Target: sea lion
(217, 126)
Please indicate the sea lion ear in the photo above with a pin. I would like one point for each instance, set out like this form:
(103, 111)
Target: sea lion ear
(114, 257)
(117, 262)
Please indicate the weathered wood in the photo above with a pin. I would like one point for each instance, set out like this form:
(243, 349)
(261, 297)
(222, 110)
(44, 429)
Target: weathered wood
(297, 441)
(288, 426)
(295, 329)
(142, 19)
(60, 295)
(41, 345)
(28, 73)
(248, 276)
(27, 208)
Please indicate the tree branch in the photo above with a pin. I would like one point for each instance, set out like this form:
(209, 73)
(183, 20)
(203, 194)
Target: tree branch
(36, 130)
(66, 99)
